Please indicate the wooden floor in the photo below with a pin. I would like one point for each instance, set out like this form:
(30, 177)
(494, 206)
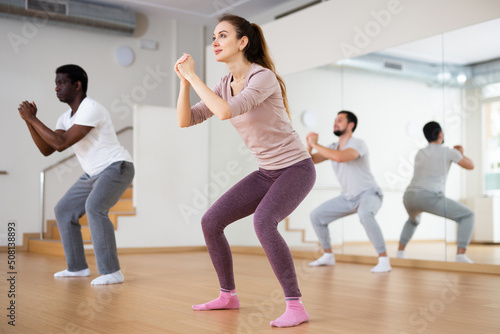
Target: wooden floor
(160, 289)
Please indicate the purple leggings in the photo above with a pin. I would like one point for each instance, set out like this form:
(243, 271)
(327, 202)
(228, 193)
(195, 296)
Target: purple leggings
(272, 195)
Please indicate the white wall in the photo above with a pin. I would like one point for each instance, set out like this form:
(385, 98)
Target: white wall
(27, 72)
(170, 182)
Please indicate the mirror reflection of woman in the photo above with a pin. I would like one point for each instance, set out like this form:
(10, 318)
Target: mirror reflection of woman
(254, 98)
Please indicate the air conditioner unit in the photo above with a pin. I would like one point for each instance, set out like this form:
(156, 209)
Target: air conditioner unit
(70, 13)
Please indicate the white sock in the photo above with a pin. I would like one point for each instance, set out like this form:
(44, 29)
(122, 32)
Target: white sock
(401, 254)
(113, 278)
(327, 259)
(383, 265)
(463, 258)
(66, 273)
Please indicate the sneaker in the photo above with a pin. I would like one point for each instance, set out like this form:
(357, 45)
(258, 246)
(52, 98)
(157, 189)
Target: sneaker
(327, 259)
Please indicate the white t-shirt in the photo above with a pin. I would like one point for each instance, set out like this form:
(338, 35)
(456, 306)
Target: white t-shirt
(432, 165)
(100, 147)
(354, 176)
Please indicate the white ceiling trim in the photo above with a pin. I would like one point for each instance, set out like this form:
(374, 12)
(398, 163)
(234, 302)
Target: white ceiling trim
(227, 8)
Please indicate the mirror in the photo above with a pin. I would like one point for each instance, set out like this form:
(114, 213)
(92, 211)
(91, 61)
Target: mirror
(394, 97)
(452, 79)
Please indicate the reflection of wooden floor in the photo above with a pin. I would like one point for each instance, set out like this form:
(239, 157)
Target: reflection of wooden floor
(362, 253)
(435, 251)
(160, 289)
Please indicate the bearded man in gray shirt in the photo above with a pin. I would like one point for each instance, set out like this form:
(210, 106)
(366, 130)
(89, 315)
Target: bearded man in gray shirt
(360, 192)
(425, 193)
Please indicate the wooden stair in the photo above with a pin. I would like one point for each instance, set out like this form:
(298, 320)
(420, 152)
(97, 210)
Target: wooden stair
(300, 230)
(51, 243)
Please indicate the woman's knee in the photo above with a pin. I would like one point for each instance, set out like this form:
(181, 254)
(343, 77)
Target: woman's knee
(210, 224)
(264, 226)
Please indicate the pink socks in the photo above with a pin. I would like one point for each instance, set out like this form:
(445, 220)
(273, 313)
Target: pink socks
(228, 300)
(294, 315)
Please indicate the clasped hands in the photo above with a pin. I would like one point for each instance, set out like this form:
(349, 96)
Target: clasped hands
(184, 66)
(27, 110)
(312, 139)
(459, 148)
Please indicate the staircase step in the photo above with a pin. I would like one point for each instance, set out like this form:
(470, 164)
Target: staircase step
(87, 239)
(54, 233)
(128, 193)
(50, 224)
(123, 205)
(300, 230)
(52, 245)
(113, 216)
(47, 247)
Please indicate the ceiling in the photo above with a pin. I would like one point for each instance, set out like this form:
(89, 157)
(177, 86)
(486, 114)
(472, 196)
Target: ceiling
(473, 44)
(470, 45)
(203, 11)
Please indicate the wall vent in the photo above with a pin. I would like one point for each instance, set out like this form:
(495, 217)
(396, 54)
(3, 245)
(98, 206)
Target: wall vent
(393, 65)
(430, 73)
(298, 9)
(72, 14)
(45, 6)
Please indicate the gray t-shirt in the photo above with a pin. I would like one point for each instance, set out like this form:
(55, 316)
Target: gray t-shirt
(432, 165)
(354, 176)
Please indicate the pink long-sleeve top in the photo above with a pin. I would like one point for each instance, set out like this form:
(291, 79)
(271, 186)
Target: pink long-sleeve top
(259, 116)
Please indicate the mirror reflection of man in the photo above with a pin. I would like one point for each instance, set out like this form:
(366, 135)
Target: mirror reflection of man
(86, 127)
(360, 192)
(425, 193)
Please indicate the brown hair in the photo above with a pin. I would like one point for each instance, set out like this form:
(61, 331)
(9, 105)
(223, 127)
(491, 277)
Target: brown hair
(256, 50)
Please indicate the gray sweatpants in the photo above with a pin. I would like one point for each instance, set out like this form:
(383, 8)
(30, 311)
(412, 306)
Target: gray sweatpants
(420, 201)
(93, 195)
(365, 204)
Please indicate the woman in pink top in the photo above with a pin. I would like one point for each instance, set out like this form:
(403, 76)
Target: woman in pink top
(254, 98)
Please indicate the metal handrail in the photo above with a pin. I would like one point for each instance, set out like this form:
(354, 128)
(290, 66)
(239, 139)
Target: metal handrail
(42, 182)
